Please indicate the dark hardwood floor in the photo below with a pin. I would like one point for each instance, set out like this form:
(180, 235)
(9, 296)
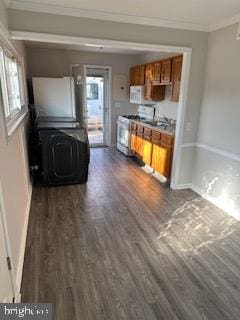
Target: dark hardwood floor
(123, 246)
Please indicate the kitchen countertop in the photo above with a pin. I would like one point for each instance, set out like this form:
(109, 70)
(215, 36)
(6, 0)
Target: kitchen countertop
(168, 130)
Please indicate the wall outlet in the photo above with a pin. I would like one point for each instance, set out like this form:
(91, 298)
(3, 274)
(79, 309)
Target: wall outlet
(188, 126)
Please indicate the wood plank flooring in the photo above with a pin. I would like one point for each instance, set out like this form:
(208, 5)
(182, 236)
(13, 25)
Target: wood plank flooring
(124, 246)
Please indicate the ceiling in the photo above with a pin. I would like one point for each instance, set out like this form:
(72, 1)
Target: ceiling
(62, 46)
(185, 14)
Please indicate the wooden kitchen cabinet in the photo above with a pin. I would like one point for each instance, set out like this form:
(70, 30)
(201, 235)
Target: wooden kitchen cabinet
(162, 159)
(141, 80)
(133, 143)
(176, 77)
(149, 70)
(137, 75)
(166, 70)
(131, 76)
(139, 146)
(154, 148)
(147, 151)
(157, 72)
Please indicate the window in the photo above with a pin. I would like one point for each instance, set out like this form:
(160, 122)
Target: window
(11, 84)
(92, 91)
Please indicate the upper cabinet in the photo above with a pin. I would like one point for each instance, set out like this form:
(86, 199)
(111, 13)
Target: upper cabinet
(156, 75)
(137, 75)
(176, 77)
(157, 67)
(166, 71)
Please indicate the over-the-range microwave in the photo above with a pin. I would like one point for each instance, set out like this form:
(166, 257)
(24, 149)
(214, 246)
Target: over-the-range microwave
(137, 94)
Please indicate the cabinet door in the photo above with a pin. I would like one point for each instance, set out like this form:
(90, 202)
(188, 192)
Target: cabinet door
(156, 72)
(166, 160)
(148, 90)
(162, 159)
(132, 76)
(147, 152)
(149, 72)
(141, 80)
(166, 71)
(139, 146)
(133, 142)
(136, 75)
(176, 77)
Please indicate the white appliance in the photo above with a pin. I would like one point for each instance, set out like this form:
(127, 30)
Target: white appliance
(145, 113)
(137, 94)
(54, 97)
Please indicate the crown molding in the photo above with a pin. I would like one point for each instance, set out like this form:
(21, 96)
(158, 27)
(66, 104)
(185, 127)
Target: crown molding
(225, 23)
(107, 16)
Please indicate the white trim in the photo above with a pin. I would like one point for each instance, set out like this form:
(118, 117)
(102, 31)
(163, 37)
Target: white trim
(7, 239)
(5, 39)
(53, 38)
(23, 244)
(61, 39)
(106, 16)
(108, 137)
(182, 106)
(181, 186)
(14, 123)
(224, 23)
(221, 152)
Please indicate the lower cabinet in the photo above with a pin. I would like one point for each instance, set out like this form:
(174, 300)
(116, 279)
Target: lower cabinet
(162, 159)
(155, 149)
(139, 146)
(133, 142)
(147, 152)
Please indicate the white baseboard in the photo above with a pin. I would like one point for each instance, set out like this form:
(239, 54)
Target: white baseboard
(180, 186)
(22, 249)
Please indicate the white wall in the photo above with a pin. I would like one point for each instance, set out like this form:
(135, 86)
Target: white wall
(15, 182)
(49, 62)
(216, 171)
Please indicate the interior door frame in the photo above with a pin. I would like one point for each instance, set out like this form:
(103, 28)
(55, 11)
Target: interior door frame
(3, 226)
(156, 47)
(107, 139)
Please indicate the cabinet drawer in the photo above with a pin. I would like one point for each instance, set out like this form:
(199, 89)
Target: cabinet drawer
(167, 139)
(156, 136)
(133, 126)
(140, 129)
(147, 132)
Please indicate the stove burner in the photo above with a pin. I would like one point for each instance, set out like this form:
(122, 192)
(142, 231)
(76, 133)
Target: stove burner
(133, 117)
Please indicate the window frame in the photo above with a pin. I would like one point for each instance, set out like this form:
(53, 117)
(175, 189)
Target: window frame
(12, 119)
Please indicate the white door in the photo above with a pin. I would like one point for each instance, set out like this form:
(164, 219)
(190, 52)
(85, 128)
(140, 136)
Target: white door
(97, 105)
(6, 289)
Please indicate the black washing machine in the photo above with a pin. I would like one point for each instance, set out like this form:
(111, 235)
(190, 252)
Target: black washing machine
(64, 151)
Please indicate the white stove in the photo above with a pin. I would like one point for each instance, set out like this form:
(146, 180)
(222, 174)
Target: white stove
(145, 113)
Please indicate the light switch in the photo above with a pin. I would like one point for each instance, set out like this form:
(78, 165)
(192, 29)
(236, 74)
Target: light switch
(117, 105)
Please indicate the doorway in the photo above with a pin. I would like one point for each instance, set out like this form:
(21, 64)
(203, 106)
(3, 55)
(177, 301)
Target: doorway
(97, 106)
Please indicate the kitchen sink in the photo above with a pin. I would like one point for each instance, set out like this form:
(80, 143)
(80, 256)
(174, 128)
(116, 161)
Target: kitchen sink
(157, 123)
